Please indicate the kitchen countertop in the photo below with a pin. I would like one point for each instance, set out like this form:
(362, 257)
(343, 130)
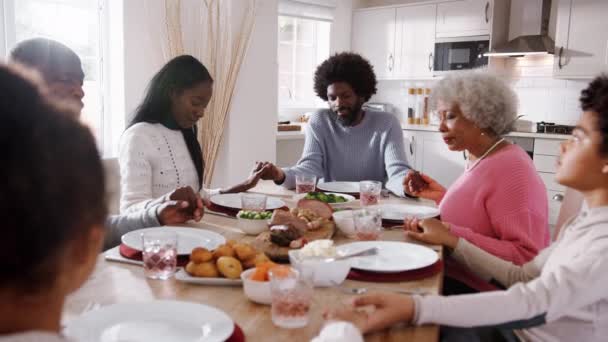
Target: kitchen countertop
(433, 128)
(430, 128)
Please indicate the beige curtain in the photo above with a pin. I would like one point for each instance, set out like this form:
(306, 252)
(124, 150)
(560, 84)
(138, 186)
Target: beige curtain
(217, 32)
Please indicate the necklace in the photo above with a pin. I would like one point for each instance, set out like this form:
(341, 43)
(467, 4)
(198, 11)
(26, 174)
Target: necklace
(472, 166)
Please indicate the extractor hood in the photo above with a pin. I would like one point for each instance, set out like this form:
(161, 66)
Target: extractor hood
(526, 18)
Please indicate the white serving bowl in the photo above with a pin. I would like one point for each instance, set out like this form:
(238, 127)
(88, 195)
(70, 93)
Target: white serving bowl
(325, 273)
(252, 227)
(256, 291)
(344, 221)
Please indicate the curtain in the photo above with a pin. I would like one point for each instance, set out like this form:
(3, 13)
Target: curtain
(217, 32)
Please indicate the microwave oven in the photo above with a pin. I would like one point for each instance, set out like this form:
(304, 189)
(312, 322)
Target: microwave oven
(460, 53)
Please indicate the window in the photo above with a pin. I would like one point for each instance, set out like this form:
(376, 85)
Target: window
(303, 44)
(75, 23)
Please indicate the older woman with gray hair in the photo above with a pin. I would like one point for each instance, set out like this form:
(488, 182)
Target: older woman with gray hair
(499, 203)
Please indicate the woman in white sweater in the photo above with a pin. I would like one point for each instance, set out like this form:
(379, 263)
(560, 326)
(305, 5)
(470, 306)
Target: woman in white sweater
(159, 152)
(559, 296)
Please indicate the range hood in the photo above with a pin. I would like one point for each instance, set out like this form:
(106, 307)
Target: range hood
(538, 43)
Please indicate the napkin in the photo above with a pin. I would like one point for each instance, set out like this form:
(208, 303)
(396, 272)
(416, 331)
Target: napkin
(237, 335)
(417, 274)
(134, 254)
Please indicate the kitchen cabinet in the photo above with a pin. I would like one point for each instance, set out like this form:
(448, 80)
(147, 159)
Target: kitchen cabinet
(437, 161)
(398, 42)
(464, 18)
(581, 39)
(413, 148)
(415, 41)
(373, 36)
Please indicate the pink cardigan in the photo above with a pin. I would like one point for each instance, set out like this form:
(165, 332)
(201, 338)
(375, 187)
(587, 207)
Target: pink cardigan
(500, 206)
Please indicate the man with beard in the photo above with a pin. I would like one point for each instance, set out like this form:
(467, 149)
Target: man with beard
(345, 142)
(63, 76)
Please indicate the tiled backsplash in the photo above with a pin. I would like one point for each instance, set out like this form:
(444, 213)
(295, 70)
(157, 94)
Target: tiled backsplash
(541, 97)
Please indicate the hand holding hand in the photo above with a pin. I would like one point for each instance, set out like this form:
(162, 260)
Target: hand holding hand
(174, 212)
(420, 185)
(388, 309)
(269, 171)
(431, 231)
(186, 194)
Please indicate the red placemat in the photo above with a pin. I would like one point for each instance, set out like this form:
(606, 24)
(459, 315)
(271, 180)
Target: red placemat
(391, 223)
(231, 211)
(134, 254)
(237, 335)
(421, 273)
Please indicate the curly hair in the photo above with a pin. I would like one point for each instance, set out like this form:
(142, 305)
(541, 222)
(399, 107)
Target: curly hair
(483, 98)
(595, 98)
(52, 188)
(346, 67)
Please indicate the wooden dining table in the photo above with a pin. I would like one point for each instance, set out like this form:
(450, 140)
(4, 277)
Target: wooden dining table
(114, 282)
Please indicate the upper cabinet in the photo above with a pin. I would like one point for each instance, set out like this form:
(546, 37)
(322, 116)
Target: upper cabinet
(581, 38)
(373, 36)
(464, 18)
(415, 41)
(399, 42)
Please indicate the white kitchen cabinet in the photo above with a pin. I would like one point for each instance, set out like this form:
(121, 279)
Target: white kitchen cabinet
(437, 161)
(464, 18)
(427, 152)
(415, 41)
(398, 42)
(413, 148)
(581, 38)
(373, 36)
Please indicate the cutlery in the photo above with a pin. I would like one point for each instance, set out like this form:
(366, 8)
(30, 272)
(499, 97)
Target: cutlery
(363, 290)
(207, 211)
(365, 252)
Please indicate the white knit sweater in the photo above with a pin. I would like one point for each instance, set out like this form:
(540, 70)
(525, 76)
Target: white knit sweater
(154, 160)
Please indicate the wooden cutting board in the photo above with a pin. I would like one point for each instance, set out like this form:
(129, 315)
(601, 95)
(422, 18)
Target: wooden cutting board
(280, 254)
(288, 128)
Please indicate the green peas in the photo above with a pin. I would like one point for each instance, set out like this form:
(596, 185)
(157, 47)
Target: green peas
(254, 215)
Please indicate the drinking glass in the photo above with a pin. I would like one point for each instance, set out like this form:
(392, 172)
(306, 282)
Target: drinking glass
(159, 254)
(368, 224)
(369, 192)
(291, 292)
(254, 202)
(305, 183)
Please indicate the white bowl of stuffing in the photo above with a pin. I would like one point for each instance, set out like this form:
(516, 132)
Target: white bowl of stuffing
(312, 258)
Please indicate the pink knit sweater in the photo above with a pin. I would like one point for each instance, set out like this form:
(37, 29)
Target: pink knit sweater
(500, 206)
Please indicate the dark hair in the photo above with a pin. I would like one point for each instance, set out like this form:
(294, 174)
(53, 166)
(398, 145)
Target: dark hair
(178, 74)
(595, 98)
(47, 56)
(346, 67)
(52, 188)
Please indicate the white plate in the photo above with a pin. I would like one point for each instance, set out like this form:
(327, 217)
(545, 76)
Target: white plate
(234, 201)
(187, 238)
(151, 322)
(392, 256)
(398, 212)
(182, 275)
(342, 187)
(349, 199)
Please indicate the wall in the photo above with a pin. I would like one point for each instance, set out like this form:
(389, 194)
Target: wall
(541, 97)
(254, 99)
(250, 133)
